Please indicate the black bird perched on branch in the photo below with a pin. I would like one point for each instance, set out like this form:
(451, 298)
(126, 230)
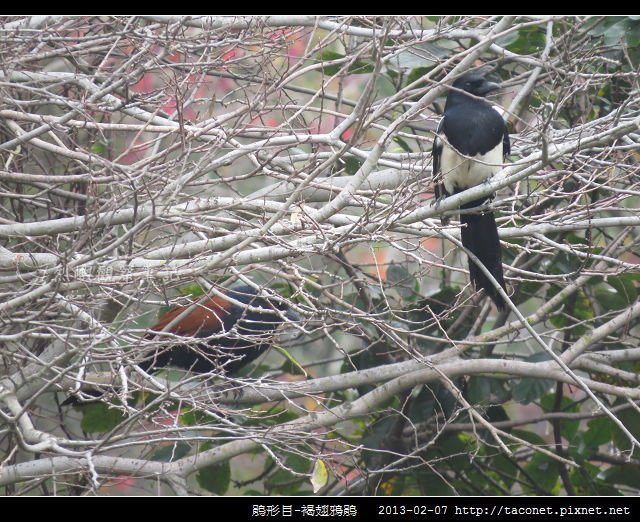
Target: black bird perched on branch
(234, 328)
(471, 144)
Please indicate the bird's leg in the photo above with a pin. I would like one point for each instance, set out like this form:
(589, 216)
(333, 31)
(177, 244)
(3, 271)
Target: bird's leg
(440, 193)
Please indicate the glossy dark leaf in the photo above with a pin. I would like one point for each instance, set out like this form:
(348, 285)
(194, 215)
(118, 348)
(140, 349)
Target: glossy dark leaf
(352, 164)
(328, 55)
(172, 452)
(625, 475)
(598, 433)
(100, 417)
(215, 479)
(542, 475)
(568, 427)
(529, 389)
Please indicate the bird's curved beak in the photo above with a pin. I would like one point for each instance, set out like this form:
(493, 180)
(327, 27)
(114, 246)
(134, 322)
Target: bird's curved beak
(488, 87)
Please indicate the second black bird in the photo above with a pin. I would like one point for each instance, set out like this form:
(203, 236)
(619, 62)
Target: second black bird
(235, 330)
(471, 144)
(220, 334)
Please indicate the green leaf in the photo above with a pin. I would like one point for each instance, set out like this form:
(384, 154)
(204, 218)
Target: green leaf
(189, 417)
(526, 290)
(361, 67)
(632, 34)
(599, 432)
(547, 403)
(568, 428)
(270, 417)
(172, 452)
(627, 475)
(282, 288)
(423, 56)
(625, 287)
(600, 27)
(191, 291)
(403, 144)
(283, 482)
(352, 165)
(434, 484)
(356, 67)
(509, 39)
(215, 479)
(614, 36)
(529, 40)
(433, 399)
(483, 390)
(416, 74)
(100, 418)
(478, 390)
(458, 448)
(327, 55)
(581, 310)
(393, 75)
(507, 470)
(291, 365)
(631, 420)
(544, 472)
(529, 436)
(530, 389)
(384, 87)
(376, 438)
(586, 480)
(99, 148)
(609, 299)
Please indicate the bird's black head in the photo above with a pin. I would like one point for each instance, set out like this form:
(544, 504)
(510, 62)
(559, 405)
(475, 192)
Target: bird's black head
(252, 323)
(250, 296)
(475, 83)
(258, 307)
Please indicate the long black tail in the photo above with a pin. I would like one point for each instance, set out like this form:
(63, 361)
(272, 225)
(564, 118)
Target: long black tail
(480, 235)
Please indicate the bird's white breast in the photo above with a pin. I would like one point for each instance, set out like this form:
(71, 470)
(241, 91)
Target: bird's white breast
(461, 173)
